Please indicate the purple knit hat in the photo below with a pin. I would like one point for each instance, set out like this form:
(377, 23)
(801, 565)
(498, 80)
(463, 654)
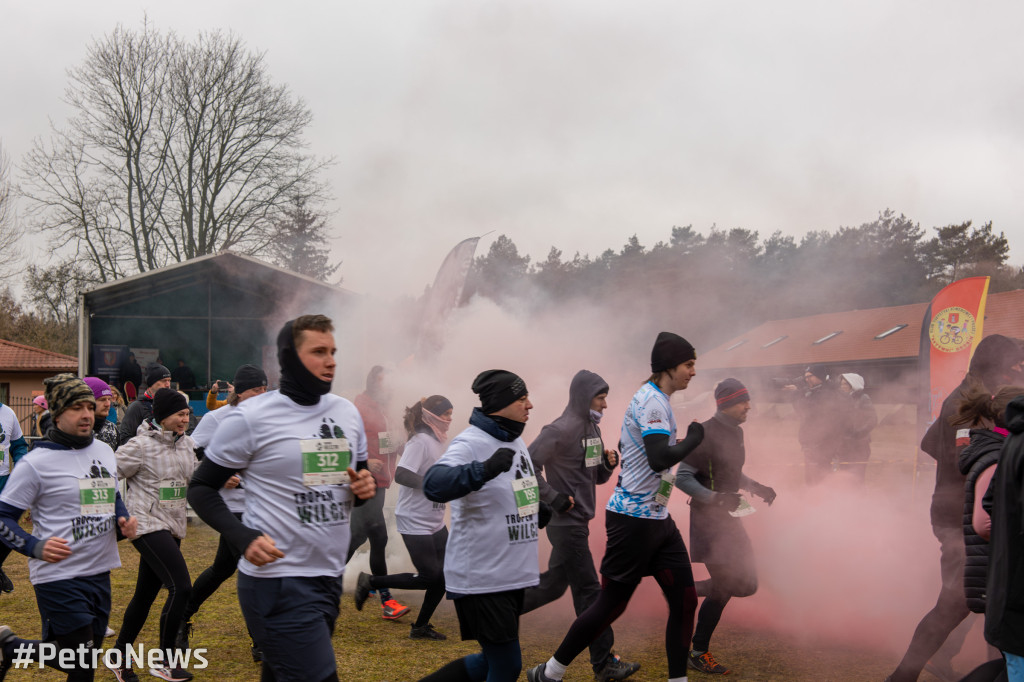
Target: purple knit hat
(99, 387)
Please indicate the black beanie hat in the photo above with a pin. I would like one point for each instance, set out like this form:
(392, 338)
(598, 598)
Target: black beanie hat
(730, 392)
(249, 376)
(498, 388)
(820, 371)
(155, 373)
(669, 351)
(166, 402)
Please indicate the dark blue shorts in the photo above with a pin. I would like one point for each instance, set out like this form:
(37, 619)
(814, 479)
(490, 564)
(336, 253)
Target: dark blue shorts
(292, 620)
(72, 604)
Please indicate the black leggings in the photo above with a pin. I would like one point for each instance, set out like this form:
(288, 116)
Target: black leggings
(676, 585)
(224, 565)
(72, 640)
(949, 611)
(427, 554)
(161, 565)
(726, 581)
(368, 524)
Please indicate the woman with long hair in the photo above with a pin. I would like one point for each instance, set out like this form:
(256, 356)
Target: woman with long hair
(419, 521)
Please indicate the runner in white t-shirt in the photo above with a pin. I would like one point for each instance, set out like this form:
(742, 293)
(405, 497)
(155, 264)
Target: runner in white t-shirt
(302, 454)
(69, 481)
(250, 381)
(420, 521)
(14, 447)
(642, 538)
(487, 475)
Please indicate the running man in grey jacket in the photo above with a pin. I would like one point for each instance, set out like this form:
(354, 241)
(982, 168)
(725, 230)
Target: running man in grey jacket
(571, 462)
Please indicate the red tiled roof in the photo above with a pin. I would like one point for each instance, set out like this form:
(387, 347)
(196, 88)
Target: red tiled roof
(16, 357)
(1004, 314)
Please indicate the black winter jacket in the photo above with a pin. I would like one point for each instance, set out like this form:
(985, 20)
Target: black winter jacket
(1004, 608)
(979, 455)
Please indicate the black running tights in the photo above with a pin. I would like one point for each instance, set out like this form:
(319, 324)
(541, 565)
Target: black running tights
(427, 554)
(160, 565)
(676, 585)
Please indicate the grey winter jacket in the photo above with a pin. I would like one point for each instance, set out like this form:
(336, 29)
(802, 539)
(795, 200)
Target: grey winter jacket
(152, 460)
(558, 453)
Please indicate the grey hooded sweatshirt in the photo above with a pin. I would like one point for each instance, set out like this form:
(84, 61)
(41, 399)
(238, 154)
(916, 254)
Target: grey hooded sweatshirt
(558, 453)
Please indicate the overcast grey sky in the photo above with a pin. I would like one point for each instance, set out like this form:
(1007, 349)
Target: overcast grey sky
(577, 124)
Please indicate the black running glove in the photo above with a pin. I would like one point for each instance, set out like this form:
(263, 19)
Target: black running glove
(765, 493)
(498, 463)
(561, 503)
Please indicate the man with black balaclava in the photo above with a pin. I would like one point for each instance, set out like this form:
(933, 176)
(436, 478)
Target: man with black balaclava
(70, 483)
(302, 453)
(996, 362)
(571, 462)
(713, 476)
(368, 521)
(157, 377)
(817, 406)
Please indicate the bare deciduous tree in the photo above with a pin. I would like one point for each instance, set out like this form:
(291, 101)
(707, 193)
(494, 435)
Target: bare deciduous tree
(10, 232)
(177, 149)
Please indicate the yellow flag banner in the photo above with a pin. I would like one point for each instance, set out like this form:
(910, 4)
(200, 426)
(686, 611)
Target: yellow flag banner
(951, 331)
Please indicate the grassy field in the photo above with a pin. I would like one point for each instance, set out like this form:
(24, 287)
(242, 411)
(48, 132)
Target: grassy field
(370, 649)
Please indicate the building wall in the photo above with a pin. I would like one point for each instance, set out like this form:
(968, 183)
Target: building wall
(19, 397)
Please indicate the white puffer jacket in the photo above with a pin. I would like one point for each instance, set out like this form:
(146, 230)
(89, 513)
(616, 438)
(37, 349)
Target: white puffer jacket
(157, 464)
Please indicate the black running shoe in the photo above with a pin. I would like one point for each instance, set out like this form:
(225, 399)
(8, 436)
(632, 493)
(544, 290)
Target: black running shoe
(363, 589)
(615, 669)
(706, 663)
(425, 632)
(5, 582)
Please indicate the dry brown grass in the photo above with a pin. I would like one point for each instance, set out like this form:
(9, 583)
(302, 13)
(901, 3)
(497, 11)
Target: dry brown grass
(370, 649)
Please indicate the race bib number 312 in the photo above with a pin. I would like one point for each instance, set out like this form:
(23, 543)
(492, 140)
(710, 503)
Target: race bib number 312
(325, 461)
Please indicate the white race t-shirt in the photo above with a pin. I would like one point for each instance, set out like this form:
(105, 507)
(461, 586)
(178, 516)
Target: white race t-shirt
(263, 438)
(649, 413)
(491, 547)
(234, 498)
(414, 513)
(10, 430)
(55, 485)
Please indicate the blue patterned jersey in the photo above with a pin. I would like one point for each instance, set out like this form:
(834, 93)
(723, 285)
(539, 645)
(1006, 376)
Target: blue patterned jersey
(649, 413)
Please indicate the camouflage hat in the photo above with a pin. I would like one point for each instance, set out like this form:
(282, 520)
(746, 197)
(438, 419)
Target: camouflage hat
(64, 390)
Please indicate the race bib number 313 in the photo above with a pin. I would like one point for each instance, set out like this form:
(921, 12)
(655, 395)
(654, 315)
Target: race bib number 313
(325, 461)
(96, 496)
